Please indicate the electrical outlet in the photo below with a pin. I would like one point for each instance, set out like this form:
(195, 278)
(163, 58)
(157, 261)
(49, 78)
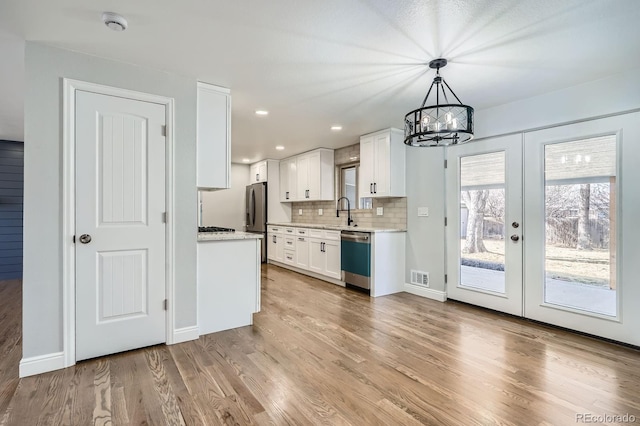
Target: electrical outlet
(423, 211)
(320, 212)
(379, 211)
(299, 212)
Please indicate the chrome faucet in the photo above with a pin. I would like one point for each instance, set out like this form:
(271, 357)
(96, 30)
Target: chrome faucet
(349, 220)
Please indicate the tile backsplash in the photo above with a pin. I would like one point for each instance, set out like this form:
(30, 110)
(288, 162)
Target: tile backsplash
(394, 213)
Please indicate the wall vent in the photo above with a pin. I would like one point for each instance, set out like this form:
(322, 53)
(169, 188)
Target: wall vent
(420, 278)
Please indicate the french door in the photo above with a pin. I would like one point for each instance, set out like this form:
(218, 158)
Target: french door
(484, 209)
(570, 190)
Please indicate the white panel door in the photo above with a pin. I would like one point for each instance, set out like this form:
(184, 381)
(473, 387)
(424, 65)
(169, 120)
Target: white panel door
(317, 259)
(382, 166)
(120, 200)
(302, 177)
(484, 210)
(302, 252)
(366, 178)
(332, 254)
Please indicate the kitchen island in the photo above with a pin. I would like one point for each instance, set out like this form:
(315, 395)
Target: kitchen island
(228, 280)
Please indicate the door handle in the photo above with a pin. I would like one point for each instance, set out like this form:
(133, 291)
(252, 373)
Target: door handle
(515, 224)
(515, 238)
(85, 238)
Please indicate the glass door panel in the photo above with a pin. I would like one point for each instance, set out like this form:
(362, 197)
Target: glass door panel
(580, 247)
(482, 229)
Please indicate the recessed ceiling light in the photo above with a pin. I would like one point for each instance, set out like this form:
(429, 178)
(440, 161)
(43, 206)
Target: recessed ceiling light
(246, 160)
(336, 128)
(114, 21)
(262, 112)
(279, 147)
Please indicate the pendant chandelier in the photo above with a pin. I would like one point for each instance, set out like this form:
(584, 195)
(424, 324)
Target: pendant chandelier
(441, 124)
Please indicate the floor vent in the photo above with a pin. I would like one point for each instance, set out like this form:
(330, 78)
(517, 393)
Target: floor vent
(420, 278)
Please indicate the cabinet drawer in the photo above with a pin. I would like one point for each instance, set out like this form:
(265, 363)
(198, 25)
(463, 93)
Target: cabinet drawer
(289, 243)
(316, 233)
(274, 229)
(290, 256)
(332, 235)
(289, 231)
(302, 231)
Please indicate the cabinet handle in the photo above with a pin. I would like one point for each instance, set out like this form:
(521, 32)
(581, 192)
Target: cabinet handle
(375, 188)
(322, 247)
(286, 197)
(274, 239)
(300, 239)
(370, 188)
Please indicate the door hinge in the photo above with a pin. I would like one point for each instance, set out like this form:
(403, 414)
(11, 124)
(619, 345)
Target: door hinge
(164, 130)
(445, 163)
(164, 217)
(446, 278)
(165, 304)
(445, 221)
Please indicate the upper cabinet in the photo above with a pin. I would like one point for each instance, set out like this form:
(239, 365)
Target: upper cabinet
(213, 136)
(308, 176)
(258, 172)
(288, 180)
(382, 164)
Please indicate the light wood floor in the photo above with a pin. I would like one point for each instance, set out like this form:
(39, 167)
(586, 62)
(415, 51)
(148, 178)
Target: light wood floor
(321, 354)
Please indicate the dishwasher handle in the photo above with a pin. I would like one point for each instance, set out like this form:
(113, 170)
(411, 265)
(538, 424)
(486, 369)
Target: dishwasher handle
(355, 236)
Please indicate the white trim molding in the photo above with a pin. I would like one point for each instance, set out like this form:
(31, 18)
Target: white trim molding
(428, 293)
(41, 364)
(185, 334)
(70, 87)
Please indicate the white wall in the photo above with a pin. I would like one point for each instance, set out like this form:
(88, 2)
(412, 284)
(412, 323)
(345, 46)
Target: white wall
(425, 176)
(425, 235)
(42, 287)
(226, 207)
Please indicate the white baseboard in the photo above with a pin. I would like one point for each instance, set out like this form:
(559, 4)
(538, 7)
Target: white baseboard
(438, 295)
(41, 364)
(185, 334)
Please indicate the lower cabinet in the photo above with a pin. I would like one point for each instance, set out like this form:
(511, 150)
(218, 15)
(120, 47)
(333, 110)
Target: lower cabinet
(302, 252)
(275, 247)
(317, 251)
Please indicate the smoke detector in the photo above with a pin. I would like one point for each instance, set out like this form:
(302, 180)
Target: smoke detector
(114, 21)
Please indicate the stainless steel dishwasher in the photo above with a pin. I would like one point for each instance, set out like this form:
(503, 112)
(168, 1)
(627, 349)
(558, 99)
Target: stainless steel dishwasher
(355, 249)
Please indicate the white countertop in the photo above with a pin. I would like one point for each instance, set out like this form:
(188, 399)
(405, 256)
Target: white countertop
(335, 227)
(222, 236)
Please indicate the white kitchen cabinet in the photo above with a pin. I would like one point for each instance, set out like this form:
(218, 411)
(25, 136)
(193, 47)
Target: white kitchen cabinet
(333, 267)
(288, 182)
(302, 252)
(258, 172)
(382, 164)
(310, 176)
(275, 247)
(213, 136)
(324, 254)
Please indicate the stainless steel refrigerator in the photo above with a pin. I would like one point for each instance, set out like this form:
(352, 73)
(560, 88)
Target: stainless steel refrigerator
(256, 204)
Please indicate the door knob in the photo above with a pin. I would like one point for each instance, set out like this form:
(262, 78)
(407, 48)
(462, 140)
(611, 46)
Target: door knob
(515, 238)
(85, 238)
(515, 224)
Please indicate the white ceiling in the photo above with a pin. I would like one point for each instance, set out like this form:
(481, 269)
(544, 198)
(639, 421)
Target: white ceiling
(312, 64)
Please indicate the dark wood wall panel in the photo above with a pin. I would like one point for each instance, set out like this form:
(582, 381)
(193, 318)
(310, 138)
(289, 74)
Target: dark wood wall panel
(11, 208)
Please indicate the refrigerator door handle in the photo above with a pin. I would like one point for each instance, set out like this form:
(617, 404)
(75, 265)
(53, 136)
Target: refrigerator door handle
(253, 207)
